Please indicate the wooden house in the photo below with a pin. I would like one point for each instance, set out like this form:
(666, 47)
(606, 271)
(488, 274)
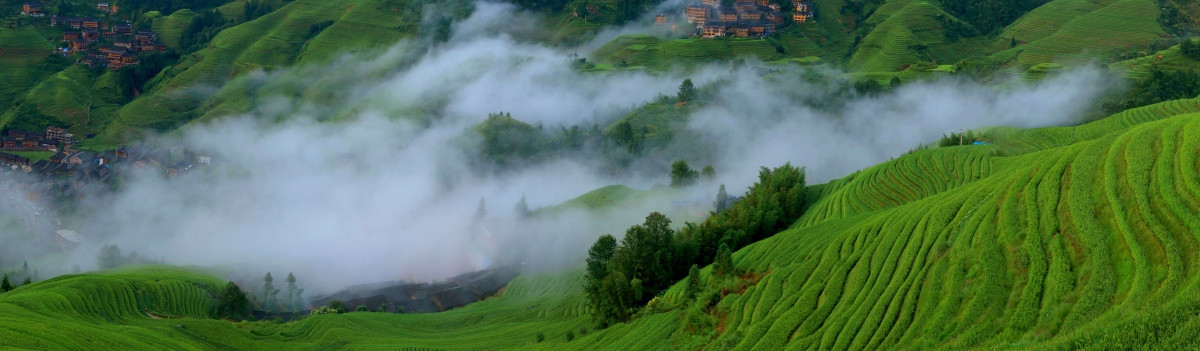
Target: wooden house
(80, 45)
(145, 36)
(712, 31)
(32, 9)
(70, 36)
(90, 23)
(697, 14)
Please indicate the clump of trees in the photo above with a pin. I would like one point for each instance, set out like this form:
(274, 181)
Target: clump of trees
(1161, 86)
(990, 15)
(682, 175)
(110, 257)
(962, 138)
(623, 275)
(232, 303)
(1190, 49)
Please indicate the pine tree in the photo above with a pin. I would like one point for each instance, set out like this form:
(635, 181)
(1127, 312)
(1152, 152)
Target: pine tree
(5, 285)
(722, 199)
(693, 283)
(269, 292)
(522, 208)
(293, 293)
(687, 91)
(723, 264)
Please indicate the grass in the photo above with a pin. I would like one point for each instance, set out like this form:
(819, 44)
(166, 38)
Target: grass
(33, 156)
(278, 39)
(1090, 27)
(652, 52)
(1168, 60)
(20, 50)
(170, 28)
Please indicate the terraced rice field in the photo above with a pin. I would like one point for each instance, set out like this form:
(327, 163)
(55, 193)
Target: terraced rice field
(1093, 27)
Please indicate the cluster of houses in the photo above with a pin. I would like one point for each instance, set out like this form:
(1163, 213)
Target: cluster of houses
(33, 9)
(53, 139)
(103, 44)
(745, 18)
(81, 167)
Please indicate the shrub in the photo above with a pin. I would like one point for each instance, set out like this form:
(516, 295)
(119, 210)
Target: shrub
(337, 306)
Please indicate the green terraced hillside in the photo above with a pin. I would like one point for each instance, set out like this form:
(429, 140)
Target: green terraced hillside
(1049, 238)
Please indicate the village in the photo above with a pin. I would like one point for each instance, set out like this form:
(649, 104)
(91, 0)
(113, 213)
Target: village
(71, 174)
(68, 170)
(742, 18)
(111, 44)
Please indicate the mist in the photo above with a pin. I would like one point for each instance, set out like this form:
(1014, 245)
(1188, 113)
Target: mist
(366, 169)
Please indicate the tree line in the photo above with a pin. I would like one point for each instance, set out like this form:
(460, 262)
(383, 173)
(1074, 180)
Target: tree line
(620, 276)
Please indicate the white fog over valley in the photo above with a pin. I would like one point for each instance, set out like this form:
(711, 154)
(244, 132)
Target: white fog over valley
(367, 169)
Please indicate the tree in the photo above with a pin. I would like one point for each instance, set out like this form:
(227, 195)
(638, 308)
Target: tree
(1190, 49)
(597, 269)
(383, 307)
(723, 264)
(687, 91)
(694, 286)
(27, 281)
(361, 308)
(109, 257)
(708, 172)
(481, 210)
(646, 252)
(269, 292)
(618, 299)
(293, 293)
(337, 306)
(5, 285)
(682, 175)
(233, 303)
(722, 199)
(522, 208)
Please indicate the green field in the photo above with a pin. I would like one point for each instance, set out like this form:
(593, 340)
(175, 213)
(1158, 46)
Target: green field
(1064, 237)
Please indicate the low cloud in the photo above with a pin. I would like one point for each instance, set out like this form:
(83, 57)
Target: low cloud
(365, 169)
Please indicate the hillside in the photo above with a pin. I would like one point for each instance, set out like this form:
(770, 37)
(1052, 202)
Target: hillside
(886, 37)
(1061, 237)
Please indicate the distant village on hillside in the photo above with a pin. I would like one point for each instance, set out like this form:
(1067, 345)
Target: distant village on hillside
(745, 18)
(111, 44)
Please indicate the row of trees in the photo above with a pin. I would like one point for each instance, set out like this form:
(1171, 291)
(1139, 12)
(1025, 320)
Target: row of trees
(651, 256)
(683, 176)
(1162, 85)
(268, 296)
(110, 256)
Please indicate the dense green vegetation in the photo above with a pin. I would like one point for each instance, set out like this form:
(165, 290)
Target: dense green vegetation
(651, 256)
